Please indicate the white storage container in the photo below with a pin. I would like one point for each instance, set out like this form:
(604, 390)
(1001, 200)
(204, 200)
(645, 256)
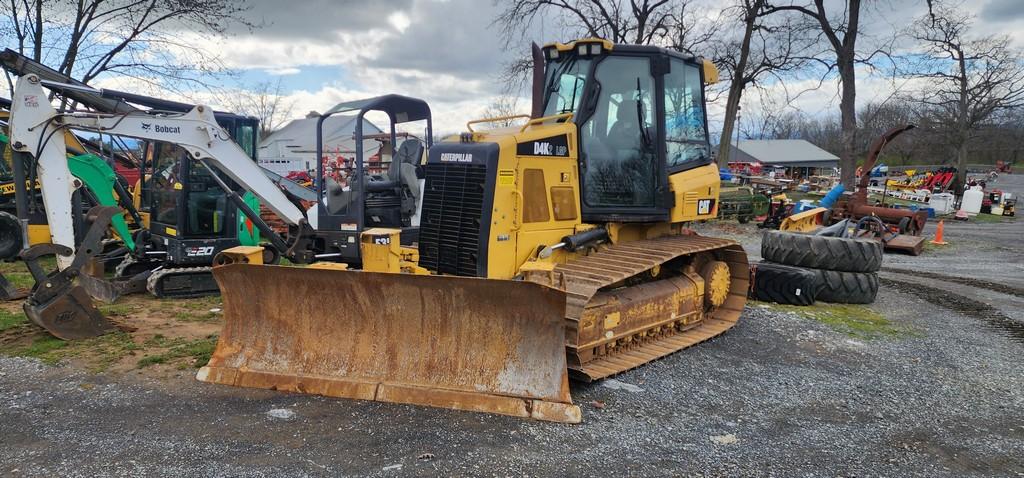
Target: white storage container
(942, 203)
(972, 200)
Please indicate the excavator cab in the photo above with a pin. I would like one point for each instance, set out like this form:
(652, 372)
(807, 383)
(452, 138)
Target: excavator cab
(191, 218)
(355, 197)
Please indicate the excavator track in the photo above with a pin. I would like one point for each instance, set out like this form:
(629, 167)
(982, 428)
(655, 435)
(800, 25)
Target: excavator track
(631, 303)
(182, 283)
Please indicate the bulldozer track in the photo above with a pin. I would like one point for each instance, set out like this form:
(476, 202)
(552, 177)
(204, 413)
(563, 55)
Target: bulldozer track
(153, 284)
(584, 277)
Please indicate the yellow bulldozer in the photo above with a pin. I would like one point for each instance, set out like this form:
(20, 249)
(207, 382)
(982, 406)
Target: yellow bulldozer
(553, 249)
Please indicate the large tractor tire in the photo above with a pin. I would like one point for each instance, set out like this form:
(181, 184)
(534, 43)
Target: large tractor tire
(784, 284)
(822, 252)
(846, 287)
(11, 239)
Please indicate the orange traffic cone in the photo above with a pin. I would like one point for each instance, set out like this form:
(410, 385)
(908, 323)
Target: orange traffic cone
(938, 234)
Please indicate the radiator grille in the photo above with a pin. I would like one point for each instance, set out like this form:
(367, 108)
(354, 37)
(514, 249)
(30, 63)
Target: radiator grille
(452, 210)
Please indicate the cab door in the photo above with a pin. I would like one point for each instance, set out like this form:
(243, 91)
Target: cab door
(622, 169)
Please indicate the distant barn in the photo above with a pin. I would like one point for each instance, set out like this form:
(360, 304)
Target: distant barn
(798, 156)
(293, 147)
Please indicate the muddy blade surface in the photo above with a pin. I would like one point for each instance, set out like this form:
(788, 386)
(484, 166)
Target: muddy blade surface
(69, 316)
(463, 343)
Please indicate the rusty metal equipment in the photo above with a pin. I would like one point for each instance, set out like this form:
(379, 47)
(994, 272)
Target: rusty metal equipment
(450, 342)
(56, 302)
(903, 225)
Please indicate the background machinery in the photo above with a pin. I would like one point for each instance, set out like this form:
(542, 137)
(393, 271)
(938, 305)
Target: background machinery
(178, 247)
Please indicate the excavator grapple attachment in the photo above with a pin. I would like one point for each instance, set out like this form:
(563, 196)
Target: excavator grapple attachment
(484, 345)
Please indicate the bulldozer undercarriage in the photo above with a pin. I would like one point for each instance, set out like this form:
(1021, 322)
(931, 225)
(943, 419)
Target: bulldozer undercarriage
(629, 304)
(488, 345)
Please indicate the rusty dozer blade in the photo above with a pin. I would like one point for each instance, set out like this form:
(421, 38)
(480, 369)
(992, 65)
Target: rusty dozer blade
(473, 344)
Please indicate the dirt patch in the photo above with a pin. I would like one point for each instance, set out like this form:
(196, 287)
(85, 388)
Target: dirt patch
(991, 317)
(153, 336)
(968, 281)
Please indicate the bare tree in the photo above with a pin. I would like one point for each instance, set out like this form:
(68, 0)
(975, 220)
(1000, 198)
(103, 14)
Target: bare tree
(840, 33)
(971, 79)
(266, 102)
(141, 39)
(764, 48)
(669, 23)
(504, 106)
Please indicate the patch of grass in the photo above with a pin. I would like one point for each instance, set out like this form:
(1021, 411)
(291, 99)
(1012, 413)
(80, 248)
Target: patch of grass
(937, 249)
(196, 316)
(106, 350)
(98, 353)
(10, 320)
(117, 309)
(198, 350)
(48, 349)
(990, 219)
(857, 321)
(20, 280)
(201, 303)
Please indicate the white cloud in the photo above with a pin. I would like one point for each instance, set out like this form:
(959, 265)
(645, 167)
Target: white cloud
(399, 20)
(284, 71)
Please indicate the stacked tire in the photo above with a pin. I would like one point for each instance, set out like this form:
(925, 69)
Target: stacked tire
(799, 269)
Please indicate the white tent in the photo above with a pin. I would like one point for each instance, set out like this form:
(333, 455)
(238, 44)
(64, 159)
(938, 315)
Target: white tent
(293, 147)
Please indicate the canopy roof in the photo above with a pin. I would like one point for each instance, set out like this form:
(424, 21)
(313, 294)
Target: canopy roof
(402, 108)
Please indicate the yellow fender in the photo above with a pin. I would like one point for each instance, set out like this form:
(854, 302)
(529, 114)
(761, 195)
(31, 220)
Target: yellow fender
(806, 221)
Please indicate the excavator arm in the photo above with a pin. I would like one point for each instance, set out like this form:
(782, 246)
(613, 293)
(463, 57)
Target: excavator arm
(34, 125)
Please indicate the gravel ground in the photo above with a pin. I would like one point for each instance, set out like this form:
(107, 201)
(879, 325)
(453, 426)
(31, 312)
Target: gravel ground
(779, 395)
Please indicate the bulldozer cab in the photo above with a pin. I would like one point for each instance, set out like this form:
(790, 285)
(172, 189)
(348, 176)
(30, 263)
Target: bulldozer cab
(355, 197)
(641, 117)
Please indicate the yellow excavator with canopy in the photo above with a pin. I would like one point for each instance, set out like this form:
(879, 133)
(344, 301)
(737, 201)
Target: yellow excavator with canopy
(545, 250)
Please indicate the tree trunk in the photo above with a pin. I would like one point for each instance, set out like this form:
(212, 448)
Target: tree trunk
(961, 168)
(37, 48)
(732, 105)
(848, 111)
(739, 81)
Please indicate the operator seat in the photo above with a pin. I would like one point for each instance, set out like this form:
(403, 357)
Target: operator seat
(624, 134)
(403, 170)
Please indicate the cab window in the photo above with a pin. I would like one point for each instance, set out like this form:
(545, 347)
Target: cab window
(564, 85)
(686, 140)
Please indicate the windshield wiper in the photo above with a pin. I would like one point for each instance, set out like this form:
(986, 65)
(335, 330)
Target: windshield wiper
(641, 120)
(556, 75)
(572, 102)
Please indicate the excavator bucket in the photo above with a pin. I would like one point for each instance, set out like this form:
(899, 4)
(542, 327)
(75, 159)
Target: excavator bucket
(68, 314)
(57, 303)
(473, 344)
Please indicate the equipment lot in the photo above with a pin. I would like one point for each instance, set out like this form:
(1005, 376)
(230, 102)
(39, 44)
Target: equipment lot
(930, 387)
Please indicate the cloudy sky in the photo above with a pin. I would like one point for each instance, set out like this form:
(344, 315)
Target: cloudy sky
(448, 53)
